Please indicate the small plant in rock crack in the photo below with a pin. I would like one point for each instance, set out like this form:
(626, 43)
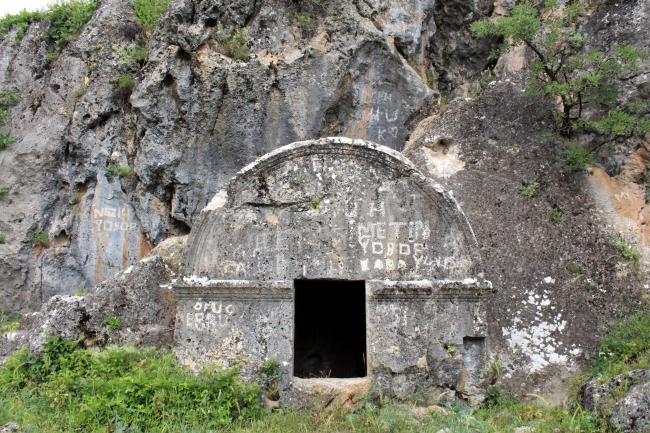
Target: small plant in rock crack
(7, 100)
(4, 191)
(113, 322)
(315, 204)
(493, 369)
(147, 12)
(41, 239)
(557, 216)
(633, 256)
(130, 57)
(270, 373)
(303, 20)
(2, 239)
(530, 188)
(232, 43)
(81, 291)
(297, 182)
(119, 170)
(573, 268)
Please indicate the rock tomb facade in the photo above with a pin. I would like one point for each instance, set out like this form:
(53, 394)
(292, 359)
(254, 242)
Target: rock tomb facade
(340, 260)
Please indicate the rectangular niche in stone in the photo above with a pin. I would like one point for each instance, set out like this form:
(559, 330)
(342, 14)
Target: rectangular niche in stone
(330, 329)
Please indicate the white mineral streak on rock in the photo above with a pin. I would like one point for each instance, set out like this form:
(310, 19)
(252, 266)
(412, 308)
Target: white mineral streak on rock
(536, 340)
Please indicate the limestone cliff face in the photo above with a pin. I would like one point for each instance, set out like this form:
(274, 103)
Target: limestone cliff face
(195, 117)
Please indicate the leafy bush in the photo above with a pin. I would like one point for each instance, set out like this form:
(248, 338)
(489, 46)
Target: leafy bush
(562, 70)
(147, 12)
(118, 389)
(233, 43)
(530, 188)
(41, 239)
(578, 158)
(67, 19)
(120, 170)
(20, 21)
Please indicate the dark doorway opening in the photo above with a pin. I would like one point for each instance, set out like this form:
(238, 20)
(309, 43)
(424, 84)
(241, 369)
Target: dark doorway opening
(329, 329)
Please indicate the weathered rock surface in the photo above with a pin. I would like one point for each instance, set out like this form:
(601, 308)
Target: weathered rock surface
(628, 414)
(138, 299)
(544, 320)
(358, 68)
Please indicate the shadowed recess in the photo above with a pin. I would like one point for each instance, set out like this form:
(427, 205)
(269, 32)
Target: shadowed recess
(330, 329)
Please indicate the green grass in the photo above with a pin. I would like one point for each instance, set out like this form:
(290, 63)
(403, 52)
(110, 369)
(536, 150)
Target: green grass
(8, 322)
(68, 389)
(147, 12)
(626, 347)
(119, 170)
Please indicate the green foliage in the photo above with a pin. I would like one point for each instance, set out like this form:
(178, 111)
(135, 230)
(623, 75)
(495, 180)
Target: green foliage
(626, 251)
(315, 204)
(270, 373)
(147, 12)
(561, 69)
(41, 239)
(119, 170)
(130, 57)
(2, 239)
(113, 322)
(493, 397)
(303, 20)
(20, 21)
(4, 191)
(67, 19)
(126, 81)
(7, 100)
(297, 182)
(8, 322)
(493, 369)
(577, 159)
(233, 44)
(557, 216)
(530, 188)
(573, 268)
(81, 291)
(118, 389)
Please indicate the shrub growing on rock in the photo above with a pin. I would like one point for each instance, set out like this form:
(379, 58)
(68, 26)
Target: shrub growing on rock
(561, 68)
